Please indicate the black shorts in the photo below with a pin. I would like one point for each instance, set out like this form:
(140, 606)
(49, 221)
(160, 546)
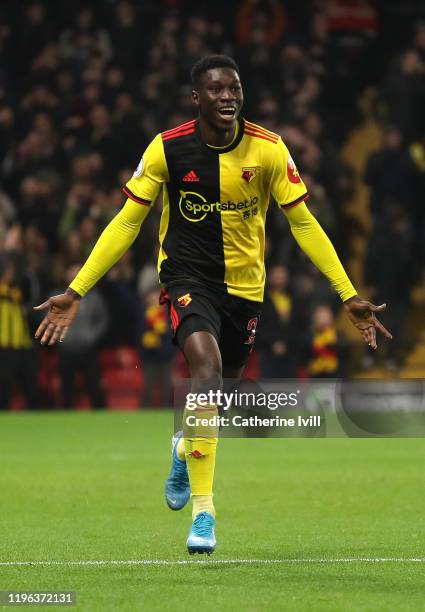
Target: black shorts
(233, 321)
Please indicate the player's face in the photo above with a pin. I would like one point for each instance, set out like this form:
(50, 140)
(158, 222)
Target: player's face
(219, 97)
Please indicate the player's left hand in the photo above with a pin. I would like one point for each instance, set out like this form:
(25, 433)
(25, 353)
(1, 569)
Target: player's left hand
(362, 315)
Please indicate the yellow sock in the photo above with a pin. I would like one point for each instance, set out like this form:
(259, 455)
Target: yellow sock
(202, 503)
(200, 446)
(200, 459)
(180, 450)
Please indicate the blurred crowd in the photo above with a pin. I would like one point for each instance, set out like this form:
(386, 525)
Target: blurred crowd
(85, 86)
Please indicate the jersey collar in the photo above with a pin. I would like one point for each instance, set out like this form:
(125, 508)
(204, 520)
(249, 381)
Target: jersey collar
(219, 151)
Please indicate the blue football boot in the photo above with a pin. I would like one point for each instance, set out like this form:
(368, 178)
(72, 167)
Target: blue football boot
(177, 487)
(202, 537)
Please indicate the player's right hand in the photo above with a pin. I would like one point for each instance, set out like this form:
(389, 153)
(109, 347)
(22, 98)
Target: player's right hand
(62, 310)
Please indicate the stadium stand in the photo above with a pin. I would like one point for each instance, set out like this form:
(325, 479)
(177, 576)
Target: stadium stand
(84, 86)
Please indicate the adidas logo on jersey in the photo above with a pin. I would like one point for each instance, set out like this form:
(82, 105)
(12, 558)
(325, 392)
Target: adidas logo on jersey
(191, 177)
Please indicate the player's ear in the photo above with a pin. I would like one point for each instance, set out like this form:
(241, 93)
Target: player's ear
(195, 98)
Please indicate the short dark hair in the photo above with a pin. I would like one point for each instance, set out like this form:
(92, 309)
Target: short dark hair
(209, 62)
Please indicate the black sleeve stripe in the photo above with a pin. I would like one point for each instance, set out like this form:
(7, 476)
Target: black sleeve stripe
(295, 202)
(131, 195)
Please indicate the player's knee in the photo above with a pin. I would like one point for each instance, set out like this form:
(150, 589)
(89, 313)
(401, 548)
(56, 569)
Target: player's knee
(208, 373)
(204, 360)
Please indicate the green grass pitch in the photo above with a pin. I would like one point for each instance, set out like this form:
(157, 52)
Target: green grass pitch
(302, 524)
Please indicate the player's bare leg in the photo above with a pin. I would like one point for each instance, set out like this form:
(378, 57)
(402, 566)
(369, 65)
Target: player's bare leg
(204, 361)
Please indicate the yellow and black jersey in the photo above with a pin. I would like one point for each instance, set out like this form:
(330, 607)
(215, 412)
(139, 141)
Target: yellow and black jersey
(215, 203)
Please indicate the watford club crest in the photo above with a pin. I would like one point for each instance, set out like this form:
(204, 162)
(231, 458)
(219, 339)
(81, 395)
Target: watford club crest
(249, 173)
(184, 300)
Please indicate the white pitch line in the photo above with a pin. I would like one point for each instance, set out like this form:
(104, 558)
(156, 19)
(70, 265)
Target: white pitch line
(214, 561)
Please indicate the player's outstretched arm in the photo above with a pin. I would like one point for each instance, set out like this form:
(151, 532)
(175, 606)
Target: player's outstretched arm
(115, 240)
(316, 245)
